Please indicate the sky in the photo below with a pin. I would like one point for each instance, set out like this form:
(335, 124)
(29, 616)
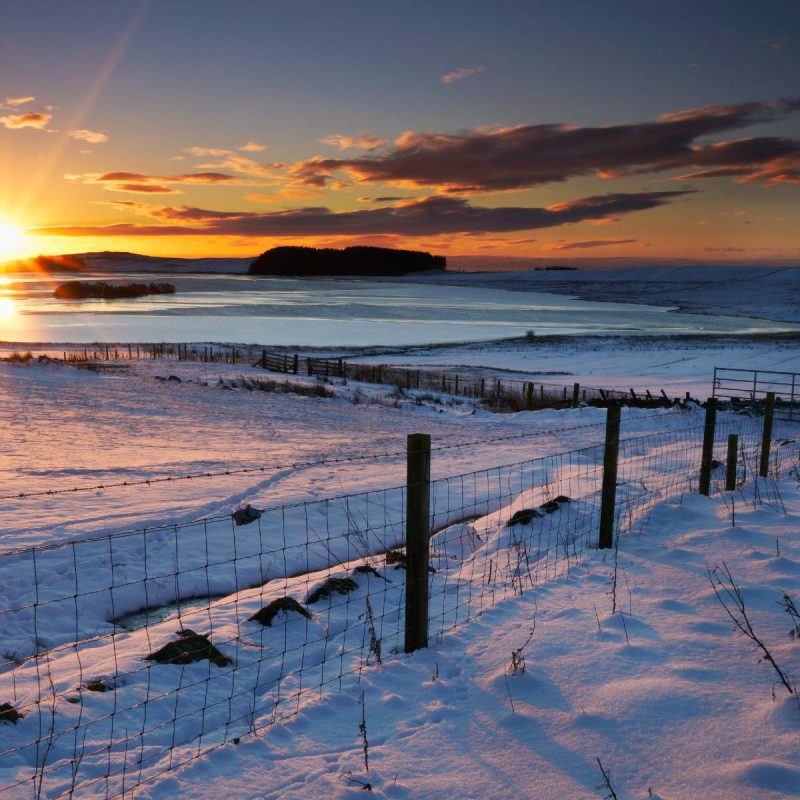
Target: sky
(534, 129)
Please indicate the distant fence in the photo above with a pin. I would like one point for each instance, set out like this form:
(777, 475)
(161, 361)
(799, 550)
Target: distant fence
(750, 387)
(127, 655)
(505, 393)
(94, 353)
(514, 393)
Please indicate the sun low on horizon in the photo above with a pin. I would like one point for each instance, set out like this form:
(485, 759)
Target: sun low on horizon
(13, 242)
(489, 147)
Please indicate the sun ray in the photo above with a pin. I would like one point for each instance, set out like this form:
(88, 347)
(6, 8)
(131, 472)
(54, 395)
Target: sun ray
(12, 241)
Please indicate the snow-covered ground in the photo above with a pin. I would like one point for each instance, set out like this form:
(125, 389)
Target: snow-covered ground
(769, 293)
(650, 679)
(674, 364)
(679, 706)
(660, 690)
(68, 427)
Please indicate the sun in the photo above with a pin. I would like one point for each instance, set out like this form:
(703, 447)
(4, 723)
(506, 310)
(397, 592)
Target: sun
(11, 241)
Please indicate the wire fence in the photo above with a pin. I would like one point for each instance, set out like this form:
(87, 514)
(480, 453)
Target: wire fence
(499, 392)
(124, 656)
(508, 393)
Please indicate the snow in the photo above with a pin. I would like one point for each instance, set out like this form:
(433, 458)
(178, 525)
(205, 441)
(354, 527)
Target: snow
(769, 293)
(660, 689)
(676, 365)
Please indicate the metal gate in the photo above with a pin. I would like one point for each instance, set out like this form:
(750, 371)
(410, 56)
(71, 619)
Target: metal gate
(750, 386)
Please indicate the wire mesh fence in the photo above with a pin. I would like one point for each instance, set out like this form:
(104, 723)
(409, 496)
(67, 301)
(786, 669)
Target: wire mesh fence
(509, 393)
(126, 655)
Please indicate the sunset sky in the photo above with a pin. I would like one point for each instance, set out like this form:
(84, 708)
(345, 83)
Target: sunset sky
(536, 128)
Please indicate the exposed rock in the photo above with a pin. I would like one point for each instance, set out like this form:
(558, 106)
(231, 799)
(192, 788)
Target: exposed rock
(9, 714)
(271, 610)
(523, 517)
(331, 586)
(246, 515)
(189, 647)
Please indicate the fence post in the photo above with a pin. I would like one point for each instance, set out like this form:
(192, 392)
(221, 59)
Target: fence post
(529, 396)
(610, 461)
(576, 395)
(708, 446)
(296, 365)
(730, 466)
(766, 437)
(418, 503)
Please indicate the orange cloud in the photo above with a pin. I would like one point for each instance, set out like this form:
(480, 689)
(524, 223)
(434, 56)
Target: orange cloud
(430, 216)
(85, 135)
(33, 119)
(507, 159)
(461, 73)
(363, 141)
(155, 184)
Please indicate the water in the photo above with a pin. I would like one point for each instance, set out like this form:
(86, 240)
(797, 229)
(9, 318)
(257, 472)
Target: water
(328, 312)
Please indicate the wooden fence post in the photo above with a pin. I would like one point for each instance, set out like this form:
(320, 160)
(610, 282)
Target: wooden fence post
(766, 436)
(610, 462)
(730, 466)
(708, 446)
(529, 396)
(418, 506)
(576, 395)
(296, 365)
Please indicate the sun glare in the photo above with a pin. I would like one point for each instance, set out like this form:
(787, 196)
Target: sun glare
(11, 241)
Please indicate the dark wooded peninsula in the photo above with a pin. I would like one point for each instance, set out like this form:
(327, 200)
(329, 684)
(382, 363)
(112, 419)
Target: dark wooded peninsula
(84, 290)
(350, 261)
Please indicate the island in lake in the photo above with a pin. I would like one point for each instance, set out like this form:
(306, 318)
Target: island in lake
(100, 290)
(374, 261)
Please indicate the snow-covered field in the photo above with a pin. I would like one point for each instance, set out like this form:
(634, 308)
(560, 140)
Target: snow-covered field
(673, 702)
(658, 688)
(769, 293)
(637, 678)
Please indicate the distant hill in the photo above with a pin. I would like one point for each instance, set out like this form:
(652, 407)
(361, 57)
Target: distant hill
(49, 264)
(375, 261)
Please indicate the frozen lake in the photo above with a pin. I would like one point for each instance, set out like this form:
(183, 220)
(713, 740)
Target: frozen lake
(329, 312)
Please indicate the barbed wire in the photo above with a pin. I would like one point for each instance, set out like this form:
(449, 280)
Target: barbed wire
(263, 468)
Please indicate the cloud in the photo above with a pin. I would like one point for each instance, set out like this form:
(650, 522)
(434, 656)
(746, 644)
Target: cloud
(725, 249)
(155, 184)
(590, 243)
(33, 119)
(363, 141)
(430, 216)
(775, 43)
(253, 147)
(461, 73)
(18, 101)
(208, 151)
(93, 137)
(240, 164)
(487, 160)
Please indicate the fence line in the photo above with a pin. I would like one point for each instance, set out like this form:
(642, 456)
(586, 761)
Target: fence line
(100, 691)
(246, 470)
(512, 393)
